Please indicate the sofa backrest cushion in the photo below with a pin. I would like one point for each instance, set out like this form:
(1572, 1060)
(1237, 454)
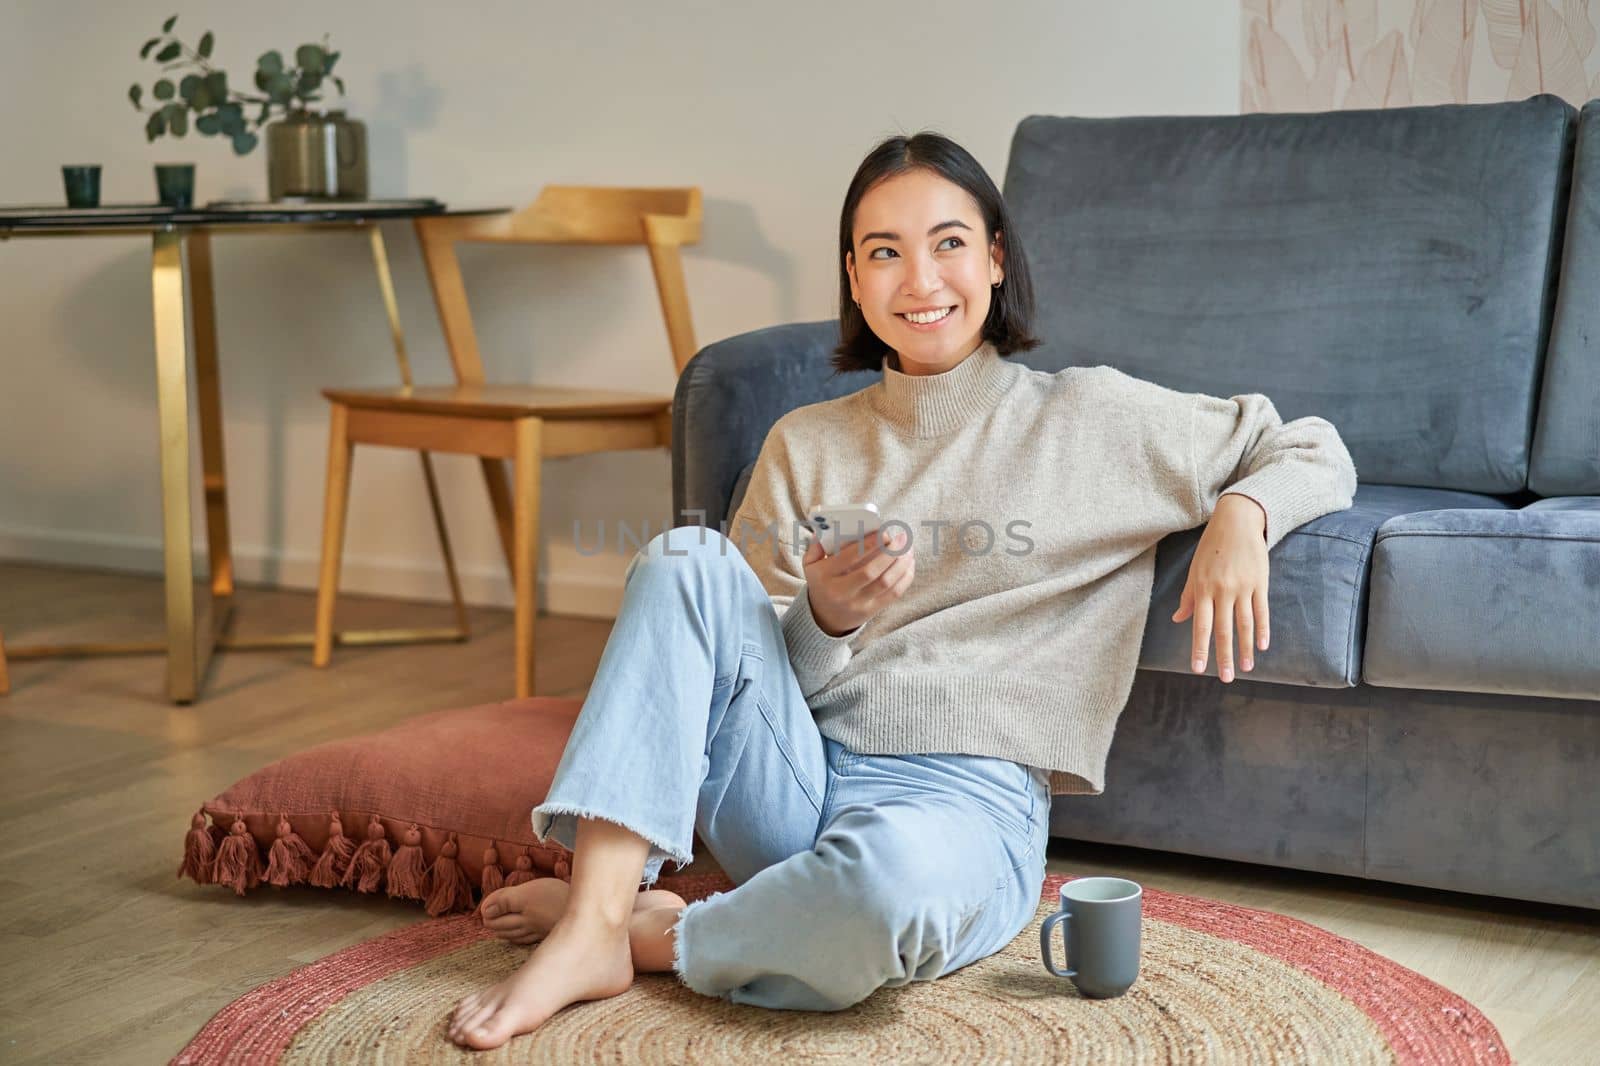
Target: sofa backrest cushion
(1566, 440)
(1391, 271)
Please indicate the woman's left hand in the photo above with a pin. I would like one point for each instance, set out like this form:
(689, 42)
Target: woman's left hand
(1227, 585)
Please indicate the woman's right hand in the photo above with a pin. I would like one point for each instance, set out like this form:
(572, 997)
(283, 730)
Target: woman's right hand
(848, 588)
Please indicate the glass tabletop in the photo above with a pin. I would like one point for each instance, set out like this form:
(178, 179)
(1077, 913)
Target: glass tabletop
(50, 217)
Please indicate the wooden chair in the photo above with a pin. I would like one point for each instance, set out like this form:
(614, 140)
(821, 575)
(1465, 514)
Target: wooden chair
(523, 423)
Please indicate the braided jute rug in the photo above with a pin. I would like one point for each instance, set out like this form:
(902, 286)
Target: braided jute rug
(1217, 984)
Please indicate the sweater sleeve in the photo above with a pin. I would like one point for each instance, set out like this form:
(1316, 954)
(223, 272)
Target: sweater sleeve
(769, 535)
(1296, 471)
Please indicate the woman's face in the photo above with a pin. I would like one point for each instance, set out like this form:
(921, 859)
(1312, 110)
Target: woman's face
(918, 246)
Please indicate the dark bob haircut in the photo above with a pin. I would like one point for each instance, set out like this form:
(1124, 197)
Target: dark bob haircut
(1009, 326)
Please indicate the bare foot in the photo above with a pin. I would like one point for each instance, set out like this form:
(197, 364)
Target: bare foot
(525, 913)
(578, 961)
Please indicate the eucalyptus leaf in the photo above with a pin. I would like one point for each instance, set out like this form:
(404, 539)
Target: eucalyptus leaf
(309, 58)
(266, 113)
(230, 118)
(178, 120)
(205, 45)
(270, 63)
(340, 83)
(280, 87)
(262, 80)
(155, 126)
(188, 85)
(144, 53)
(166, 27)
(201, 99)
(327, 64)
(169, 53)
(217, 86)
(309, 83)
(162, 89)
(135, 93)
(243, 142)
(208, 124)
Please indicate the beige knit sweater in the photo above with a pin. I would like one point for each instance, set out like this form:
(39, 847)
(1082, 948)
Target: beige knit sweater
(1034, 502)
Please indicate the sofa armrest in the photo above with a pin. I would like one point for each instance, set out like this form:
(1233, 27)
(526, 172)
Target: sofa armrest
(729, 396)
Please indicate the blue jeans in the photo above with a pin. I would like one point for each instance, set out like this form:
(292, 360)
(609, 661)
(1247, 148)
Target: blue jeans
(852, 871)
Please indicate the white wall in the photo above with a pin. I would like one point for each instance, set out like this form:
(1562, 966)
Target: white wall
(767, 107)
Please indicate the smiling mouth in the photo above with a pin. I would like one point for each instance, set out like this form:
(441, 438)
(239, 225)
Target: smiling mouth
(927, 318)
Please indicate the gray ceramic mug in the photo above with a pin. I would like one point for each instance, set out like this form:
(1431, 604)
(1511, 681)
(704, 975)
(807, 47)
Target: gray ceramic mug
(1100, 919)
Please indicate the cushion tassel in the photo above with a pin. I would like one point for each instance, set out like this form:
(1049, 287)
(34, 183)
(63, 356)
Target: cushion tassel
(408, 870)
(291, 858)
(563, 868)
(524, 871)
(448, 887)
(335, 860)
(238, 864)
(370, 861)
(199, 851)
(494, 875)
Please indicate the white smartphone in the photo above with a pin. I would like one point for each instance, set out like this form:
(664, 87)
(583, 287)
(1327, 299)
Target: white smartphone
(838, 524)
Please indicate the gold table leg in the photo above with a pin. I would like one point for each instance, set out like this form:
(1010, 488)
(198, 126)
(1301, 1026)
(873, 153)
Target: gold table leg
(187, 656)
(208, 387)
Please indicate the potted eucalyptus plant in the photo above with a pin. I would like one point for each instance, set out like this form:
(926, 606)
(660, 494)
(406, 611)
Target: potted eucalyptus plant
(310, 153)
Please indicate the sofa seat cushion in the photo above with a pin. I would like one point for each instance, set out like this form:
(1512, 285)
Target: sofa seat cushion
(1316, 590)
(1481, 600)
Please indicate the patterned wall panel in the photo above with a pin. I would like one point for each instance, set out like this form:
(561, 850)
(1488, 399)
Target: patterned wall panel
(1318, 55)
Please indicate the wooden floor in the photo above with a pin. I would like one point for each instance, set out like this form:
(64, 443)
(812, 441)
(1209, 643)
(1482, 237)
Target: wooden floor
(105, 957)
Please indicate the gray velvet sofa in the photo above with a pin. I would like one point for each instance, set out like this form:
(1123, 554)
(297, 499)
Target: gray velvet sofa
(1428, 279)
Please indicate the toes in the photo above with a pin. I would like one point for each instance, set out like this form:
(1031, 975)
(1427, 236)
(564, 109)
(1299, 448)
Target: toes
(473, 1021)
(505, 917)
(467, 1005)
(493, 1032)
(461, 1011)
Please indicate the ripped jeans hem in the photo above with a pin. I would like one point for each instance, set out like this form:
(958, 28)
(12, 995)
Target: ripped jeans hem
(678, 952)
(544, 820)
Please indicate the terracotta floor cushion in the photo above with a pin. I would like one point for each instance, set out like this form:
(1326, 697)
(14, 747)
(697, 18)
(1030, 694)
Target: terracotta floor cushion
(435, 809)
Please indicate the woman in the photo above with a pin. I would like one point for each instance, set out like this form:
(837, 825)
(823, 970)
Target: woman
(872, 763)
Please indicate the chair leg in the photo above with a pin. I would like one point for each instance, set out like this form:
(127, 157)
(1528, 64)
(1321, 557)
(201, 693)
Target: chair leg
(525, 569)
(335, 505)
(494, 479)
(5, 678)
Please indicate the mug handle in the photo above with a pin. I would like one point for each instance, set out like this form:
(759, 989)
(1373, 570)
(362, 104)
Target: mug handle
(1044, 942)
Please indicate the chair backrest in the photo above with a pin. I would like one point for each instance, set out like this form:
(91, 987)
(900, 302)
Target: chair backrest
(1392, 271)
(661, 219)
(1566, 442)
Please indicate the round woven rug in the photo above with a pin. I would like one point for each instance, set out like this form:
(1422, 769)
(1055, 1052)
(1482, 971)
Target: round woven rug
(1217, 984)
